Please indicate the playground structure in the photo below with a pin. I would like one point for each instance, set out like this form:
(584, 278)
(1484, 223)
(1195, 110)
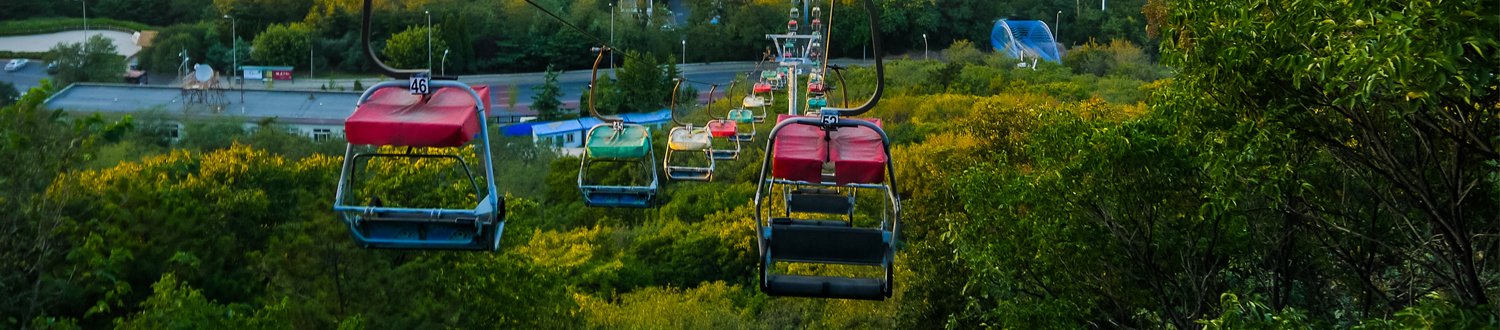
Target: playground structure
(1025, 40)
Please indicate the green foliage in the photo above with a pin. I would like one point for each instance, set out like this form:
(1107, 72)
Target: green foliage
(1350, 140)
(48, 25)
(643, 83)
(545, 102)
(1118, 58)
(410, 49)
(711, 305)
(8, 94)
(963, 51)
(91, 61)
(282, 45)
(175, 305)
(1436, 312)
(1254, 315)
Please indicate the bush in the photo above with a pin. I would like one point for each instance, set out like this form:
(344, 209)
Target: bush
(49, 25)
(1118, 58)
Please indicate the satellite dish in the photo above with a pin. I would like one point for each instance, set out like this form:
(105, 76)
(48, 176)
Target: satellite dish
(203, 72)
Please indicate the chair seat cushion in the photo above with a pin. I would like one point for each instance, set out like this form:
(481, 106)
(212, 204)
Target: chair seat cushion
(631, 141)
(799, 152)
(857, 153)
(753, 101)
(743, 116)
(683, 138)
(394, 117)
(764, 87)
(817, 102)
(721, 128)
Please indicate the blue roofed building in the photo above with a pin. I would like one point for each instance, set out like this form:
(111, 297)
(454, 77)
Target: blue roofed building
(568, 134)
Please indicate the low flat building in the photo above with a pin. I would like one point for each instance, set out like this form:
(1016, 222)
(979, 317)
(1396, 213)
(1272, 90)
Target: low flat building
(312, 113)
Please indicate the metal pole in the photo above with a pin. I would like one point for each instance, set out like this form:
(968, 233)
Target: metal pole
(684, 51)
(85, 26)
(1101, 5)
(309, 57)
(612, 34)
(429, 40)
(445, 61)
(1057, 27)
(235, 64)
(791, 89)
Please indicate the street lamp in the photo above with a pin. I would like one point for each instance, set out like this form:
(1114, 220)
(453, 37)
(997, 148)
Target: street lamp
(684, 51)
(445, 61)
(235, 66)
(309, 57)
(611, 33)
(1057, 26)
(85, 25)
(429, 40)
(925, 54)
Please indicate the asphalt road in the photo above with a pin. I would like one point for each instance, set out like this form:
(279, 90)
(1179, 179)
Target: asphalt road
(27, 77)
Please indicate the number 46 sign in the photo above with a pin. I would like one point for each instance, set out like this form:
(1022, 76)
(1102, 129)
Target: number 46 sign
(419, 84)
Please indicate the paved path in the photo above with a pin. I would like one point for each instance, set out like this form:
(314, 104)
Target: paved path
(27, 77)
(43, 42)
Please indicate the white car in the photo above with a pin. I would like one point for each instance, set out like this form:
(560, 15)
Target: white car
(16, 64)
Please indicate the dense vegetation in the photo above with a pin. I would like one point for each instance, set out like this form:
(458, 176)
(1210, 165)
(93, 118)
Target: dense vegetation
(1297, 165)
(511, 35)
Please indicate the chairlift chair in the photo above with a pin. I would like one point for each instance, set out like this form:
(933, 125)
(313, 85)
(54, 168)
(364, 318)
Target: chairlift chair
(619, 142)
(856, 156)
(444, 114)
(726, 130)
(687, 138)
(740, 117)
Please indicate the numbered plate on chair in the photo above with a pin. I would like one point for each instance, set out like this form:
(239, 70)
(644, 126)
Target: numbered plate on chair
(419, 84)
(829, 117)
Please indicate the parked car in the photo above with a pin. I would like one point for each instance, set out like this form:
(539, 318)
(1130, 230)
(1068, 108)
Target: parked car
(52, 67)
(16, 64)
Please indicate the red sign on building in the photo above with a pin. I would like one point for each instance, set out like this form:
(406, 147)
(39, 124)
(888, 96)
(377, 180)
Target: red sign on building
(281, 75)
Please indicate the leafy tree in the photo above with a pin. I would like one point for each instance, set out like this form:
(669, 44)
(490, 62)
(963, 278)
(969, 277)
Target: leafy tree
(1381, 153)
(643, 85)
(409, 49)
(282, 45)
(31, 245)
(545, 102)
(95, 62)
(8, 93)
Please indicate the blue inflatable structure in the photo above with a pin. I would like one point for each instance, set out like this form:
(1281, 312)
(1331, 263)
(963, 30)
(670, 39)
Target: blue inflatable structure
(1022, 39)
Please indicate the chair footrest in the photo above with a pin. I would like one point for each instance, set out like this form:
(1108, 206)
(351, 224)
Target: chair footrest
(641, 199)
(723, 154)
(425, 235)
(807, 222)
(825, 287)
(689, 173)
(822, 201)
(828, 244)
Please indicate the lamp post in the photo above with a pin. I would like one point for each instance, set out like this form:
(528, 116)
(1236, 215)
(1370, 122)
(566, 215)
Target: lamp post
(925, 54)
(309, 57)
(445, 61)
(429, 39)
(85, 25)
(684, 51)
(235, 65)
(1057, 26)
(611, 33)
